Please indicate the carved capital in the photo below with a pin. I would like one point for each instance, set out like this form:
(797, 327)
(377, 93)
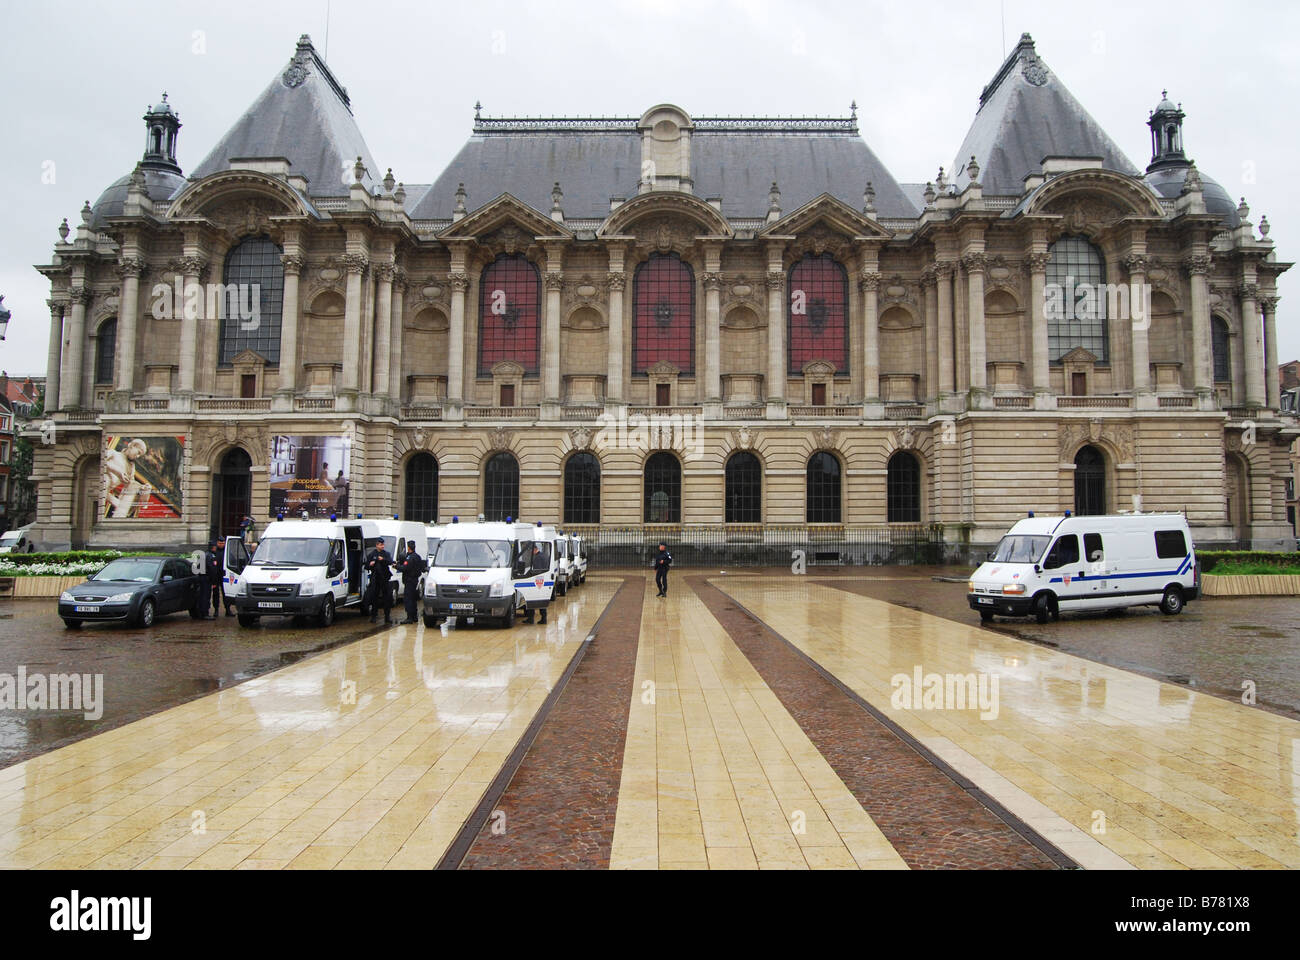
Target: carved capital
(944, 269)
(458, 282)
(355, 264)
(869, 282)
(928, 278)
(1249, 291)
(974, 262)
(292, 265)
(553, 281)
(130, 267)
(776, 281)
(1198, 266)
(400, 278)
(80, 295)
(712, 281)
(616, 281)
(1136, 264)
(1268, 305)
(193, 266)
(1037, 263)
(382, 271)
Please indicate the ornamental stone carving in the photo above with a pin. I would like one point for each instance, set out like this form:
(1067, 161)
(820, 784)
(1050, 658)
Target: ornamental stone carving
(869, 281)
(1136, 264)
(905, 438)
(1198, 265)
(1037, 263)
(743, 439)
(499, 439)
(776, 281)
(383, 271)
(826, 438)
(586, 292)
(81, 295)
(1249, 291)
(293, 266)
(130, 267)
(458, 282)
(553, 281)
(945, 269)
(580, 438)
(616, 282)
(974, 262)
(193, 266)
(712, 281)
(355, 264)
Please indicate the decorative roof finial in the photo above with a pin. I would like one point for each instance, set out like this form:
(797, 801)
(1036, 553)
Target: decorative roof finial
(389, 180)
(86, 213)
(774, 197)
(941, 182)
(358, 170)
(64, 230)
(400, 195)
(1243, 210)
(478, 110)
(853, 110)
(458, 211)
(929, 194)
(1264, 227)
(973, 170)
(869, 198)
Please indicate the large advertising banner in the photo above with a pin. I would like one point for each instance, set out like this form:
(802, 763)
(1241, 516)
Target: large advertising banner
(311, 474)
(142, 477)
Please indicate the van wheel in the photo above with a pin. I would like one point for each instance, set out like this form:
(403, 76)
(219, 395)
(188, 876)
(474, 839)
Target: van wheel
(986, 615)
(326, 616)
(561, 587)
(1171, 604)
(430, 622)
(1045, 608)
(508, 621)
(248, 619)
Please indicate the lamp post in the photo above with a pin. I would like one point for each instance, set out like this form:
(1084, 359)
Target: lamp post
(4, 318)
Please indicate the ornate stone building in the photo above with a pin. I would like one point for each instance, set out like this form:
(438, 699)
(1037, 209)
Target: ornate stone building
(663, 320)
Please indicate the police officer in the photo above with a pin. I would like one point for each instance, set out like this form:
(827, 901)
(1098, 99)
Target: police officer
(538, 559)
(411, 567)
(662, 561)
(213, 572)
(379, 563)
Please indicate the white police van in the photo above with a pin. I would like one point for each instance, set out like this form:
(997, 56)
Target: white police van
(1044, 565)
(578, 548)
(300, 568)
(490, 570)
(397, 534)
(566, 574)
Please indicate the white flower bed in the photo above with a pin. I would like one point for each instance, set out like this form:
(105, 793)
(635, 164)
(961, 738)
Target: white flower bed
(81, 569)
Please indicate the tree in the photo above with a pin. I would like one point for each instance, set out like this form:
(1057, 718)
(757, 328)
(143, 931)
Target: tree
(22, 492)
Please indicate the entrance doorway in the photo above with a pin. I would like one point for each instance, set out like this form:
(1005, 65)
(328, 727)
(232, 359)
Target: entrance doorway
(232, 493)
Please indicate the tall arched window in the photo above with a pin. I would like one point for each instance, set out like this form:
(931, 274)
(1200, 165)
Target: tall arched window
(817, 313)
(1222, 358)
(1076, 299)
(903, 488)
(421, 501)
(105, 351)
(663, 315)
(744, 489)
(663, 489)
(1089, 482)
(582, 489)
(501, 487)
(510, 298)
(252, 301)
(823, 489)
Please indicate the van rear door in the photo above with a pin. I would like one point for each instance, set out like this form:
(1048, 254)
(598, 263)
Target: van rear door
(355, 556)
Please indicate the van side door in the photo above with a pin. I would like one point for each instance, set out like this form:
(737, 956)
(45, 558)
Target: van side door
(1064, 564)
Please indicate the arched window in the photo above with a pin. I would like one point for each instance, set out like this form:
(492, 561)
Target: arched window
(250, 305)
(232, 487)
(663, 489)
(510, 298)
(1076, 299)
(817, 313)
(1089, 482)
(501, 487)
(663, 316)
(105, 351)
(903, 488)
(823, 489)
(1222, 358)
(421, 501)
(582, 489)
(744, 489)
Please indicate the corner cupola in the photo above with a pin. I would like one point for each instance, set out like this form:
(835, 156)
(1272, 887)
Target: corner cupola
(1166, 123)
(163, 126)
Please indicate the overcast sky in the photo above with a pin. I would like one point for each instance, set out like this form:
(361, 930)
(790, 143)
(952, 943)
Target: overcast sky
(76, 78)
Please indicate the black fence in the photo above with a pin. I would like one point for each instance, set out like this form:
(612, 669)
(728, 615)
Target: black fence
(772, 545)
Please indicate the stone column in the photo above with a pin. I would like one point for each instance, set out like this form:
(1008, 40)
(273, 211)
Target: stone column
(54, 355)
(1041, 373)
(554, 284)
(356, 265)
(383, 273)
(288, 381)
(1272, 387)
(395, 336)
(128, 319)
(974, 264)
(713, 325)
(459, 282)
(1139, 330)
(193, 269)
(74, 349)
(929, 285)
(869, 284)
(1256, 396)
(776, 360)
(617, 282)
(1198, 269)
(944, 271)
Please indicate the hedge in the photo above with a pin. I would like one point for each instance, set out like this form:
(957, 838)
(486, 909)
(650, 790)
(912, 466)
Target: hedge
(1283, 562)
(65, 563)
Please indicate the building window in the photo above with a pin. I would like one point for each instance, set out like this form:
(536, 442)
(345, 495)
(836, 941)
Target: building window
(744, 489)
(582, 489)
(1222, 359)
(105, 350)
(817, 313)
(254, 280)
(663, 316)
(663, 489)
(1089, 482)
(421, 502)
(510, 299)
(501, 487)
(903, 488)
(1076, 299)
(823, 489)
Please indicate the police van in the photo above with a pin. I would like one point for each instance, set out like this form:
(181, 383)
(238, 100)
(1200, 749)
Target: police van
(566, 574)
(433, 536)
(300, 568)
(1044, 565)
(578, 548)
(490, 570)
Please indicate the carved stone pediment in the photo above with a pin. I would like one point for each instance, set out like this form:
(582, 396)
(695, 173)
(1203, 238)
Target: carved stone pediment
(663, 369)
(818, 368)
(1079, 355)
(499, 439)
(249, 358)
(820, 239)
(507, 369)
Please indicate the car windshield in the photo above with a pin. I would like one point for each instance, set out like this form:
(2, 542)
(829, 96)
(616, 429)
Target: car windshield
(137, 571)
(1020, 549)
(9, 541)
(292, 552)
(475, 554)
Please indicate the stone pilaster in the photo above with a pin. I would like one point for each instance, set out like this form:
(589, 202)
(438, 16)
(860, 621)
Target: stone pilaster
(129, 268)
(289, 321)
(356, 265)
(1256, 396)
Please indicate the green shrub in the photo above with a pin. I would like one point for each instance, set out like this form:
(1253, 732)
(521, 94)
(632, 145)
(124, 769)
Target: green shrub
(1270, 562)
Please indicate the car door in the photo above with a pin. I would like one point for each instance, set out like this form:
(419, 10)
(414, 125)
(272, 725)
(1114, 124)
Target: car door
(173, 583)
(1067, 571)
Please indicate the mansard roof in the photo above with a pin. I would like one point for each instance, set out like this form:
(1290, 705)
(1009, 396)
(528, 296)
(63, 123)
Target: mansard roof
(305, 116)
(1026, 114)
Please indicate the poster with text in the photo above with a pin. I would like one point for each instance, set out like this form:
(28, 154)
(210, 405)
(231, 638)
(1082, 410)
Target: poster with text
(142, 477)
(310, 474)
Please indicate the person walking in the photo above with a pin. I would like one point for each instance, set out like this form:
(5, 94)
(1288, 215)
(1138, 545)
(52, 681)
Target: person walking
(662, 561)
(213, 572)
(379, 564)
(411, 567)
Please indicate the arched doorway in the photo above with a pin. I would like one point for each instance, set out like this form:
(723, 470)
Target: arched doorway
(87, 500)
(232, 493)
(1089, 482)
(1236, 495)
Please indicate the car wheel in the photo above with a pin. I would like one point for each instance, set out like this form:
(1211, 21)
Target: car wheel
(326, 617)
(148, 612)
(1045, 608)
(248, 619)
(1171, 604)
(986, 615)
(72, 624)
(508, 621)
(430, 622)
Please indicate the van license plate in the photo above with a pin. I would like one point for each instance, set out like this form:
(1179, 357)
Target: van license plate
(986, 600)
(462, 606)
(270, 605)
(87, 610)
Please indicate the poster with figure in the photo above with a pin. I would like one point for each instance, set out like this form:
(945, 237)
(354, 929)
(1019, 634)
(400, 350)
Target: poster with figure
(310, 474)
(142, 477)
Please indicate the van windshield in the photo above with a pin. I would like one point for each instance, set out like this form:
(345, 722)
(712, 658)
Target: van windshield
(10, 541)
(474, 554)
(292, 552)
(1020, 549)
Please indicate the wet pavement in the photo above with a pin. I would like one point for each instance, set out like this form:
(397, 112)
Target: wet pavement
(144, 670)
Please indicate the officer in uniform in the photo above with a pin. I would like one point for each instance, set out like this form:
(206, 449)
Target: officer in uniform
(411, 567)
(663, 560)
(379, 563)
(213, 572)
(537, 558)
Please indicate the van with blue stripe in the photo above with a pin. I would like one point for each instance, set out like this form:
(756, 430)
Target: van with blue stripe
(1046, 565)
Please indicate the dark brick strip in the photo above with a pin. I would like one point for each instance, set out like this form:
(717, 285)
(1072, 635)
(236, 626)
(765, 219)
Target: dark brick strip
(934, 817)
(559, 788)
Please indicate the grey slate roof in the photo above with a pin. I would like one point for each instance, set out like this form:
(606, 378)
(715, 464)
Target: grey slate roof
(1026, 114)
(1168, 182)
(158, 184)
(304, 115)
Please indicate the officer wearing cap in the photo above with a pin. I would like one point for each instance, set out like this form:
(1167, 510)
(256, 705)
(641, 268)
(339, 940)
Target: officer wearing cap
(379, 565)
(411, 567)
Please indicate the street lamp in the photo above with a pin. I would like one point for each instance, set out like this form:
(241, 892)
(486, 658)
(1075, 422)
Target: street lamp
(4, 318)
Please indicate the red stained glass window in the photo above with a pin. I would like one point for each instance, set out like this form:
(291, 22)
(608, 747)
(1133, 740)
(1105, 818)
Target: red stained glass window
(817, 309)
(510, 298)
(663, 325)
